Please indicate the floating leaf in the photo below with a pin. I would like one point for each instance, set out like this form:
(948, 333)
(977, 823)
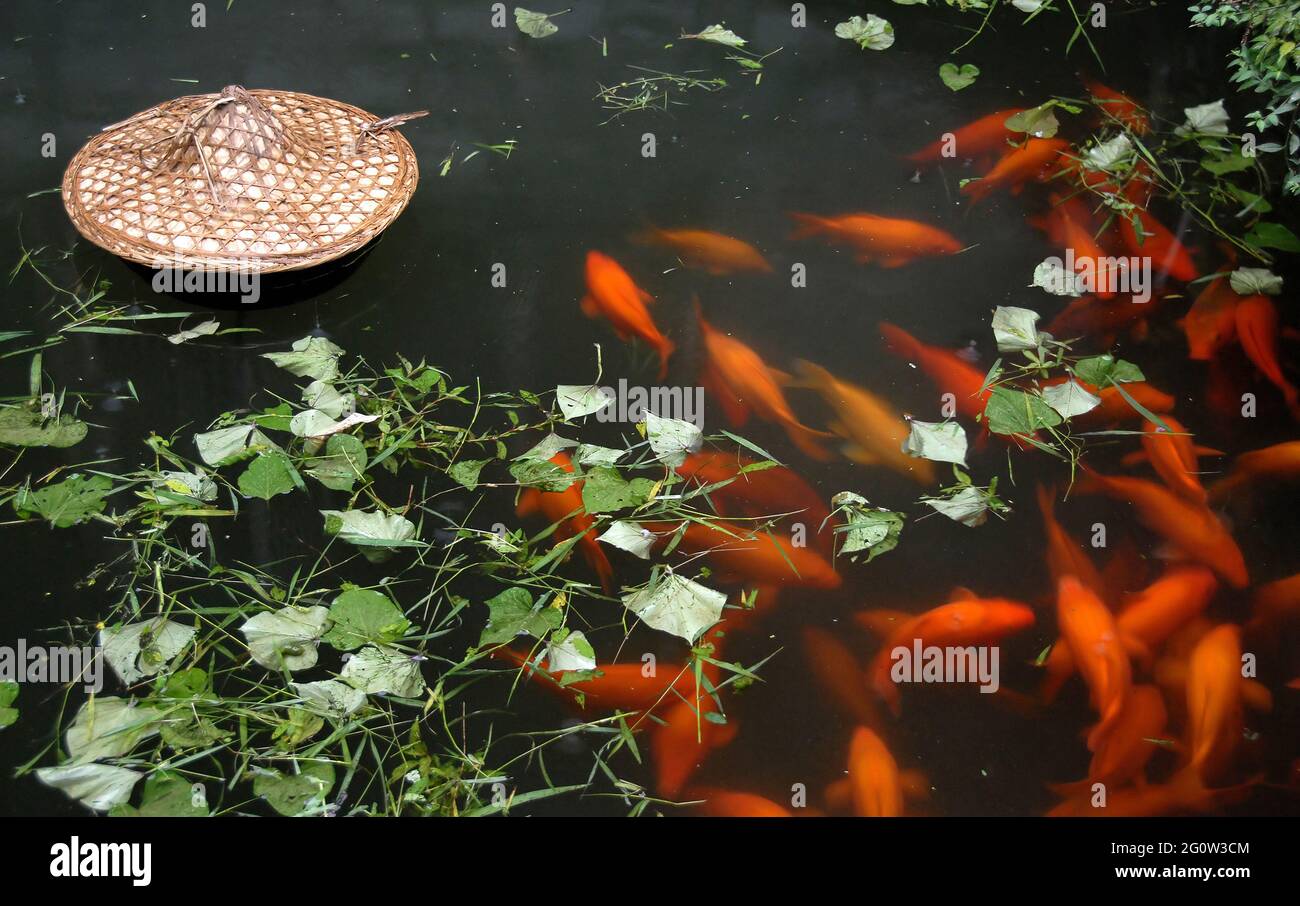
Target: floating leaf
(719, 35)
(630, 537)
(594, 455)
(313, 357)
(1070, 399)
(1206, 119)
(871, 33)
(605, 491)
(327, 398)
(569, 651)
(1111, 155)
(267, 476)
(315, 423)
(374, 532)
(109, 727)
(1102, 370)
(362, 615)
(73, 500)
(956, 77)
(189, 484)
(137, 650)
(165, 795)
(677, 605)
(938, 441)
(1015, 412)
(230, 445)
(1039, 122)
(867, 528)
(1052, 276)
(207, 328)
(1249, 281)
(969, 506)
(343, 464)
(535, 25)
(20, 427)
(292, 795)
(8, 695)
(671, 438)
(576, 401)
(1273, 236)
(286, 638)
(96, 786)
(330, 698)
(1015, 328)
(383, 671)
(513, 613)
(466, 472)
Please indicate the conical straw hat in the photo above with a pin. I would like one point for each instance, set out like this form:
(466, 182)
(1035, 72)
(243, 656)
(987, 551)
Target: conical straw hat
(259, 180)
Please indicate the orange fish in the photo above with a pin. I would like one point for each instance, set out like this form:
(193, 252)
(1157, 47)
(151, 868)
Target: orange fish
(566, 508)
(1103, 320)
(1214, 701)
(1094, 639)
(1280, 461)
(624, 687)
(1065, 556)
(1123, 754)
(1183, 793)
(714, 253)
(883, 240)
(754, 491)
(877, 789)
(948, 371)
(732, 804)
(838, 673)
(1274, 603)
(1151, 617)
(1068, 225)
(1191, 527)
(1032, 160)
(738, 553)
(1257, 330)
(874, 432)
(1167, 254)
(1115, 408)
(973, 621)
(681, 743)
(612, 294)
(743, 382)
(1211, 322)
(984, 136)
(1119, 106)
(1174, 457)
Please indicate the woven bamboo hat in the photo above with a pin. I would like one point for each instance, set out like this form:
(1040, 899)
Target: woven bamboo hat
(260, 180)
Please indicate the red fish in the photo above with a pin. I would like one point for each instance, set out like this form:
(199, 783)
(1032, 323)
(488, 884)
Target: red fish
(1190, 527)
(1257, 331)
(1183, 793)
(612, 294)
(886, 241)
(1167, 254)
(1094, 640)
(949, 372)
(1032, 160)
(711, 252)
(1275, 602)
(1069, 226)
(738, 553)
(1115, 408)
(975, 621)
(732, 804)
(874, 781)
(1211, 322)
(743, 383)
(1214, 702)
(1174, 457)
(754, 491)
(1122, 755)
(566, 508)
(1120, 106)
(837, 671)
(1278, 462)
(984, 136)
(686, 737)
(624, 687)
(1065, 556)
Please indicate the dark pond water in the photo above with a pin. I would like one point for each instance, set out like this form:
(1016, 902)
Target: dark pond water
(823, 132)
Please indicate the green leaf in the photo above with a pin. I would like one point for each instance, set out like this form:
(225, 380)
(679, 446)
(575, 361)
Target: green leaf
(166, 795)
(466, 472)
(267, 476)
(535, 25)
(677, 605)
(605, 491)
(1232, 162)
(142, 649)
(956, 77)
(1039, 122)
(937, 441)
(286, 639)
(1102, 370)
(109, 727)
(230, 445)
(343, 464)
(362, 615)
(1015, 328)
(568, 650)
(871, 33)
(575, 400)
(377, 534)
(867, 528)
(719, 35)
(73, 500)
(100, 787)
(330, 698)
(513, 613)
(630, 537)
(327, 398)
(21, 427)
(672, 438)
(1249, 281)
(969, 506)
(293, 794)
(1070, 399)
(313, 357)
(1273, 236)
(1017, 413)
(1206, 119)
(383, 671)
(207, 328)
(8, 695)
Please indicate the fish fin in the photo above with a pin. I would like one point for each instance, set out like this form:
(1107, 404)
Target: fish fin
(784, 378)
(961, 593)
(645, 297)
(1256, 695)
(665, 347)
(859, 454)
(807, 225)
(808, 441)
(839, 795)
(1133, 458)
(1207, 451)
(589, 306)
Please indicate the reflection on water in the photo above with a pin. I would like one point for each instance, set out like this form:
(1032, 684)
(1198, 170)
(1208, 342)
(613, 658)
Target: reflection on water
(740, 258)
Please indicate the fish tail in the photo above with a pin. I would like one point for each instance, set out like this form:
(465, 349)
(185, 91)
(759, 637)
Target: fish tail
(808, 441)
(589, 306)
(665, 347)
(597, 560)
(811, 376)
(808, 225)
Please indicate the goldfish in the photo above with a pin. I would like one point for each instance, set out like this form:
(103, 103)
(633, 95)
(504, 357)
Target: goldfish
(1257, 330)
(984, 136)
(1065, 556)
(1122, 755)
(1151, 616)
(837, 671)
(873, 431)
(877, 789)
(1182, 793)
(883, 240)
(732, 804)
(1154, 241)
(1214, 705)
(566, 508)
(1090, 631)
(711, 252)
(1174, 457)
(744, 383)
(1280, 461)
(971, 621)
(685, 738)
(1102, 320)
(1067, 225)
(1191, 527)
(1114, 408)
(949, 372)
(1275, 602)
(1032, 160)
(1211, 322)
(753, 491)
(624, 687)
(613, 294)
(1120, 106)
(738, 553)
